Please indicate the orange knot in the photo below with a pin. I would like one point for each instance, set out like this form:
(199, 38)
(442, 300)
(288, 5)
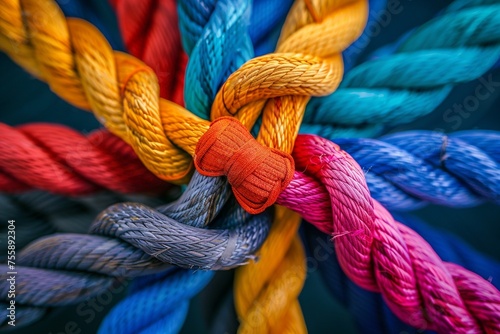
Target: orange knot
(257, 174)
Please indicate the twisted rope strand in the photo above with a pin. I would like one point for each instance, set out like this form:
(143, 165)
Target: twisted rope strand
(96, 259)
(62, 161)
(368, 309)
(413, 81)
(150, 32)
(406, 169)
(382, 255)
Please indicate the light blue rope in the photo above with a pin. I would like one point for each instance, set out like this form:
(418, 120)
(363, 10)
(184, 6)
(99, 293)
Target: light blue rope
(162, 303)
(216, 50)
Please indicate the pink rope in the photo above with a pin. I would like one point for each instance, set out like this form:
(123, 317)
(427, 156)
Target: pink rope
(380, 254)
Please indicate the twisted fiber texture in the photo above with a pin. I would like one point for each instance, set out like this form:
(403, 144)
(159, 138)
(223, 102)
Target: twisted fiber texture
(71, 260)
(369, 312)
(266, 292)
(165, 297)
(214, 35)
(459, 309)
(407, 169)
(58, 159)
(218, 76)
(368, 309)
(381, 255)
(410, 83)
(92, 75)
(170, 318)
(208, 159)
(343, 12)
(150, 32)
(168, 292)
(38, 214)
(50, 176)
(293, 77)
(268, 302)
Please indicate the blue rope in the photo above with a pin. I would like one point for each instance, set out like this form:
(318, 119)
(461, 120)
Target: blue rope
(214, 35)
(167, 296)
(418, 76)
(368, 309)
(406, 170)
(97, 12)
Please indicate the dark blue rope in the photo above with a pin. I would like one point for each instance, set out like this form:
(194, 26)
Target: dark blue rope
(408, 169)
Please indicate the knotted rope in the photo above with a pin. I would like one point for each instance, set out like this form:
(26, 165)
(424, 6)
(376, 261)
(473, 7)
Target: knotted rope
(63, 161)
(457, 316)
(412, 82)
(104, 256)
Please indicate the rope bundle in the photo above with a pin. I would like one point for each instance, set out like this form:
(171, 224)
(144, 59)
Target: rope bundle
(413, 253)
(410, 83)
(103, 256)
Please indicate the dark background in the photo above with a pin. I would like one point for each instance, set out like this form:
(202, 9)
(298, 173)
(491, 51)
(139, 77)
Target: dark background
(23, 99)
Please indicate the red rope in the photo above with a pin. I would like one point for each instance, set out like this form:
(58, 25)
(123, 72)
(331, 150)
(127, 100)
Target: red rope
(150, 30)
(60, 160)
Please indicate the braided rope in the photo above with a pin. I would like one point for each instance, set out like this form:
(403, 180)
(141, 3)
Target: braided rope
(461, 278)
(382, 255)
(407, 169)
(50, 157)
(400, 87)
(368, 309)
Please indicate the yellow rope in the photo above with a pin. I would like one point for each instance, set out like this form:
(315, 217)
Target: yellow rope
(266, 292)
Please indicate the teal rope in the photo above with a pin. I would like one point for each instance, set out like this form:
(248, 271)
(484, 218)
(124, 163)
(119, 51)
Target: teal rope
(459, 46)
